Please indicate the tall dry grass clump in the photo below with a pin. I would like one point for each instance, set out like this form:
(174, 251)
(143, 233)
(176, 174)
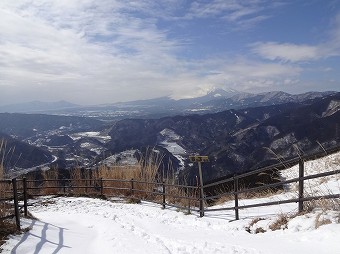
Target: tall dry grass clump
(51, 183)
(7, 227)
(4, 186)
(137, 180)
(2, 159)
(142, 180)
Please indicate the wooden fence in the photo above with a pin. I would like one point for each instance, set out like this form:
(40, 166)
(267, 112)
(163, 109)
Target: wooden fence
(167, 195)
(237, 190)
(9, 201)
(186, 198)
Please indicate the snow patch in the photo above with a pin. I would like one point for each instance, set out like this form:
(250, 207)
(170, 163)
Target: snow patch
(90, 134)
(283, 142)
(170, 143)
(123, 158)
(333, 107)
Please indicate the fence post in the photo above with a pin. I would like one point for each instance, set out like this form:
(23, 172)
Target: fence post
(201, 202)
(301, 174)
(188, 195)
(163, 191)
(16, 205)
(132, 186)
(236, 197)
(25, 195)
(86, 184)
(101, 186)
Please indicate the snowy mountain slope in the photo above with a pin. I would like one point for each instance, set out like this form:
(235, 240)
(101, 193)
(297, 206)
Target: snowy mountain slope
(236, 140)
(319, 186)
(84, 225)
(170, 142)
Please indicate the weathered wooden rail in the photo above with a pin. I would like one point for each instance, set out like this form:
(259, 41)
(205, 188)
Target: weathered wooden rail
(184, 197)
(10, 197)
(237, 190)
(172, 195)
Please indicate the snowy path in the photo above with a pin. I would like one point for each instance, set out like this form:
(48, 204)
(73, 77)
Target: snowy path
(89, 226)
(83, 225)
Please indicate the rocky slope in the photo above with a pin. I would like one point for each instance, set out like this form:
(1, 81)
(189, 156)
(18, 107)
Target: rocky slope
(238, 140)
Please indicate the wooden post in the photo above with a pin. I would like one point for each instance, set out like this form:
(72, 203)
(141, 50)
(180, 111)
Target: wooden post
(25, 195)
(236, 197)
(201, 202)
(199, 159)
(101, 187)
(189, 201)
(301, 174)
(201, 190)
(16, 205)
(132, 186)
(163, 191)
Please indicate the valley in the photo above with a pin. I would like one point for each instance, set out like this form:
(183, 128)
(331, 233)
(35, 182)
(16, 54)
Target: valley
(236, 140)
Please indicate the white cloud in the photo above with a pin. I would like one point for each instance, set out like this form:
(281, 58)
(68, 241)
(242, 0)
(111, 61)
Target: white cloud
(89, 51)
(82, 47)
(286, 52)
(290, 52)
(244, 75)
(242, 14)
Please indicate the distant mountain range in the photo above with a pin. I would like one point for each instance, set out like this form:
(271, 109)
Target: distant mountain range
(238, 140)
(215, 101)
(36, 107)
(238, 131)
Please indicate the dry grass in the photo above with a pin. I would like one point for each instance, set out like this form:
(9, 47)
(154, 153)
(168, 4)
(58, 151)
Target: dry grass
(319, 220)
(5, 188)
(6, 228)
(138, 181)
(2, 159)
(280, 223)
(323, 204)
(141, 181)
(256, 230)
(50, 186)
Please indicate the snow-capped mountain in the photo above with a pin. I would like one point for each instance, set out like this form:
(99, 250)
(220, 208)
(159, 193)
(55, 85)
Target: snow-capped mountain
(215, 100)
(237, 139)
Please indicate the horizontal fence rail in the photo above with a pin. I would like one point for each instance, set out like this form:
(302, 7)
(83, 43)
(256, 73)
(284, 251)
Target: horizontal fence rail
(300, 199)
(167, 195)
(184, 197)
(174, 195)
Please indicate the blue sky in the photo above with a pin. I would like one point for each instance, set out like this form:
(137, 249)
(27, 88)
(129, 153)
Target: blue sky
(93, 52)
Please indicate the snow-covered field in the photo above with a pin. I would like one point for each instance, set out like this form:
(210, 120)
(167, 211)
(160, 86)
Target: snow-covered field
(84, 225)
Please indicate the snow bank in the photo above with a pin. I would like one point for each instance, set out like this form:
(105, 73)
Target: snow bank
(84, 225)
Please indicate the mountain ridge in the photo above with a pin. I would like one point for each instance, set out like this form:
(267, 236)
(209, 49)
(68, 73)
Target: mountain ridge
(239, 139)
(215, 100)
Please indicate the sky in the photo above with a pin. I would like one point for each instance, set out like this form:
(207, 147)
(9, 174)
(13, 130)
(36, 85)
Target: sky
(95, 52)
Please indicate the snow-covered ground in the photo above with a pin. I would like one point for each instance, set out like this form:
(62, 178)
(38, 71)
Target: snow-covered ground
(170, 143)
(91, 134)
(126, 157)
(84, 225)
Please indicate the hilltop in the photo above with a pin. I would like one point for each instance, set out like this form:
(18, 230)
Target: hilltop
(85, 225)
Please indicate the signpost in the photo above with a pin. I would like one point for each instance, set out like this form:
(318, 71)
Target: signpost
(199, 159)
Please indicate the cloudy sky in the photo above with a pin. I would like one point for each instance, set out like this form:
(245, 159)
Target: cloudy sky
(103, 51)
